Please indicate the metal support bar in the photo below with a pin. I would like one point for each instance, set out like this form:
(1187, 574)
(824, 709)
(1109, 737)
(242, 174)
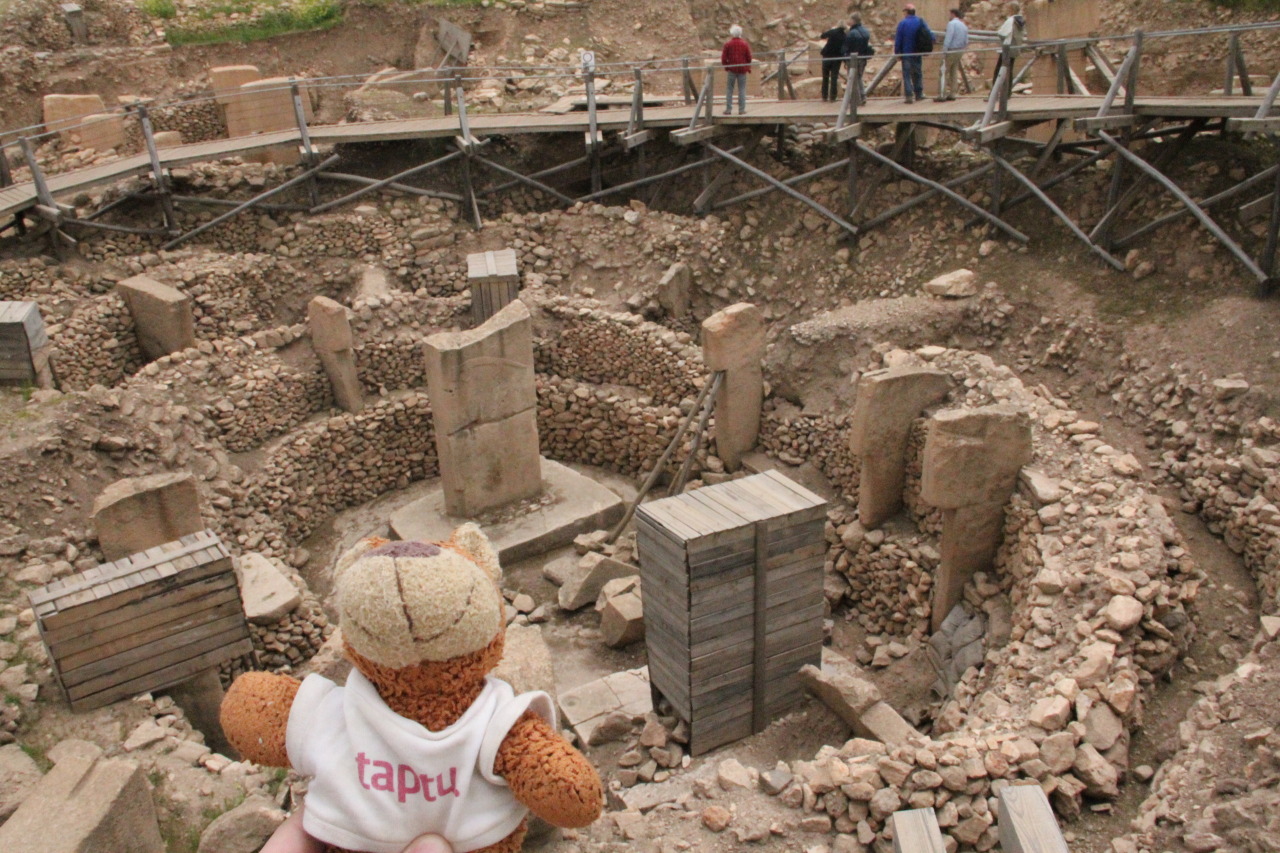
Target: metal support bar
(777, 184)
(1118, 82)
(1050, 147)
(1273, 236)
(157, 171)
(37, 174)
(385, 182)
(791, 182)
(1225, 195)
(398, 187)
(1058, 178)
(524, 179)
(651, 179)
(1115, 211)
(949, 193)
(300, 117)
(703, 203)
(1199, 214)
(236, 211)
(856, 202)
(120, 229)
(1057, 211)
(593, 131)
(544, 173)
(469, 193)
(922, 197)
(226, 202)
(107, 208)
(1131, 84)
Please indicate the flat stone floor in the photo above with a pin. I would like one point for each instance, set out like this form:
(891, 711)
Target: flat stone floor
(571, 503)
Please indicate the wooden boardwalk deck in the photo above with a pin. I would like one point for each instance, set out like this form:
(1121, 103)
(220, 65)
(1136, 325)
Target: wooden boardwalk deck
(880, 111)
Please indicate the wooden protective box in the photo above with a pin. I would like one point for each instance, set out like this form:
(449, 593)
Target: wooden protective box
(733, 601)
(144, 622)
(495, 282)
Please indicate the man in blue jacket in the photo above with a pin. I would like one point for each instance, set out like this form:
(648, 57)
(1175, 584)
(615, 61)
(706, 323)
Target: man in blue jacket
(906, 43)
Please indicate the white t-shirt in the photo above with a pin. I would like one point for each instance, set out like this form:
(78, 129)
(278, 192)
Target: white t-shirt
(380, 780)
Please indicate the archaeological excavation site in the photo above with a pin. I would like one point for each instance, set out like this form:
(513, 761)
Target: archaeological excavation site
(472, 418)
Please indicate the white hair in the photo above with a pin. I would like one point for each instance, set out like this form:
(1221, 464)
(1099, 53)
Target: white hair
(735, 32)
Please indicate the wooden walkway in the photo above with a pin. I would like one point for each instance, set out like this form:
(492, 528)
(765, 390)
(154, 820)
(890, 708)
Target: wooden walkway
(760, 113)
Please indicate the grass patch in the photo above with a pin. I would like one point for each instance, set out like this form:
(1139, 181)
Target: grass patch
(163, 9)
(37, 755)
(304, 16)
(1250, 5)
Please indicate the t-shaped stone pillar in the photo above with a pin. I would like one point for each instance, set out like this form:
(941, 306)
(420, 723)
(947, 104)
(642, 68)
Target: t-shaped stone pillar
(888, 402)
(484, 407)
(733, 341)
(971, 462)
(332, 340)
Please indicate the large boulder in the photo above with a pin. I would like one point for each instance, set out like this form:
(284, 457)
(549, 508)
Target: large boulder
(244, 829)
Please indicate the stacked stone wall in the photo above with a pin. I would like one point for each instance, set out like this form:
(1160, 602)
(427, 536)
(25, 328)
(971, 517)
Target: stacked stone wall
(96, 344)
(820, 439)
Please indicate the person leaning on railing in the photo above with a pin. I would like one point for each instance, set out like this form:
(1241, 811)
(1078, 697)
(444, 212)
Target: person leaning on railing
(735, 56)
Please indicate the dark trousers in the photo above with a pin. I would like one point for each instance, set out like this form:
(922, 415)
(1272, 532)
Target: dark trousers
(831, 78)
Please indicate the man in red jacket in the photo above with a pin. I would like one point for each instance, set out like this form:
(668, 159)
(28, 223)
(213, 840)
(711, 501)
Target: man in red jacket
(736, 59)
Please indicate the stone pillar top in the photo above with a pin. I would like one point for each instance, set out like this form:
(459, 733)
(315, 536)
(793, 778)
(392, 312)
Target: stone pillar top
(330, 328)
(733, 337)
(973, 456)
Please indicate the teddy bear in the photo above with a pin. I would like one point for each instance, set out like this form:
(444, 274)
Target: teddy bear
(421, 738)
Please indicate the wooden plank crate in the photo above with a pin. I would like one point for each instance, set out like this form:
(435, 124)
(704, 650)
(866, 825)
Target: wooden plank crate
(145, 622)
(733, 603)
(495, 282)
(22, 333)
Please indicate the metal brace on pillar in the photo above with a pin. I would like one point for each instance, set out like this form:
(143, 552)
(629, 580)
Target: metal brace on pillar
(593, 127)
(467, 145)
(308, 152)
(157, 171)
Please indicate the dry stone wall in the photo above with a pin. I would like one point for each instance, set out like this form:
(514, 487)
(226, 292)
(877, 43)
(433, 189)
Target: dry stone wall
(344, 460)
(796, 438)
(620, 349)
(96, 344)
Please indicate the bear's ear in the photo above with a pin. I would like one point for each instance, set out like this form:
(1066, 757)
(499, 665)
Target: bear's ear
(470, 539)
(361, 548)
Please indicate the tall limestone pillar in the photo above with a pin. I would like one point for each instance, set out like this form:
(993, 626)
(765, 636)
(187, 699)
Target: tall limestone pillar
(733, 341)
(332, 341)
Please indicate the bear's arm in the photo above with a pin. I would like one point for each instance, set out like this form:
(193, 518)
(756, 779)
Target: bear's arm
(547, 775)
(255, 715)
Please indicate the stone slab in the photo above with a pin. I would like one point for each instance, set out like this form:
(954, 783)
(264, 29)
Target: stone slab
(267, 593)
(526, 660)
(138, 513)
(162, 315)
(86, 803)
(573, 504)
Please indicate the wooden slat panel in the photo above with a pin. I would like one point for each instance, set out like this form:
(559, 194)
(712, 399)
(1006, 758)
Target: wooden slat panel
(916, 831)
(1027, 823)
(209, 638)
(166, 677)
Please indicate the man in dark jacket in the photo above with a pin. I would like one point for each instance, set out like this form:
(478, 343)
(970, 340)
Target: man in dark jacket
(905, 44)
(857, 46)
(832, 58)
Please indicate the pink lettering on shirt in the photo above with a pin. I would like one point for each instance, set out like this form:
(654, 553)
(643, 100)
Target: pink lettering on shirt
(404, 780)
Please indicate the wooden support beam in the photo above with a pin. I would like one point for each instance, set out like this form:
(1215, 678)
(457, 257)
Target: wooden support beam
(1057, 211)
(539, 175)
(652, 179)
(1254, 125)
(304, 132)
(385, 182)
(524, 179)
(922, 197)
(1101, 232)
(702, 204)
(846, 133)
(261, 197)
(949, 193)
(992, 132)
(1225, 195)
(361, 179)
(1114, 122)
(786, 190)
(1255, 209)
(1196, 211)
(690, 136)
(791, 182)
(635, 140)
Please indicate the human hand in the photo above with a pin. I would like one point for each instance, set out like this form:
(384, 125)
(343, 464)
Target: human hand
(290, 837)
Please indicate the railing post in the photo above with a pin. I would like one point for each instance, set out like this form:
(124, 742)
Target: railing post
(593, 139)
(711, 93)
(690, 91)
(448, 91)
(1131, 85)
(1229, 81)
(1006, 85)
(6, 176)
